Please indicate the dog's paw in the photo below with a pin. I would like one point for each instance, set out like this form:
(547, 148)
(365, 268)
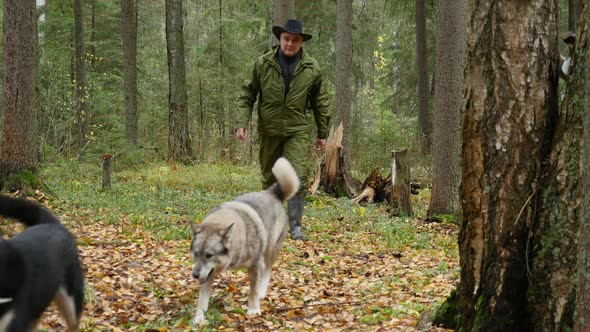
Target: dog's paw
(199, 319)
(253, 312)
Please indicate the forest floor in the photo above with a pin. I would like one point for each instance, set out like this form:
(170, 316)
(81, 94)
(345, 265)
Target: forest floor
(360, 269)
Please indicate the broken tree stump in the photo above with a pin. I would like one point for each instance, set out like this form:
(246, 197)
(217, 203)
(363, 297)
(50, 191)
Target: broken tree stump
(374, 189)
(106, 171)
(400, 182)
(330, 172)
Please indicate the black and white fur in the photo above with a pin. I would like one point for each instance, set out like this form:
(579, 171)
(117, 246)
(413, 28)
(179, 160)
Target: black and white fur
(38, 266)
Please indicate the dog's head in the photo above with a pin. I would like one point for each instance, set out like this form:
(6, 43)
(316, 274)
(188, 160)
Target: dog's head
(210, 250)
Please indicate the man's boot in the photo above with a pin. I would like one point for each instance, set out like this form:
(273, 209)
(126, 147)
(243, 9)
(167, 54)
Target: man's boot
(295, 212)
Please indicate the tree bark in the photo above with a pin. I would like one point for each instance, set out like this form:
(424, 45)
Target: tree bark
(574, 9)
(508, 106)
(582, 314)
(81, 92)
(446, 149)
(179, 147)
(19, 79)
(554, 245)
(344, 75)
(424, 122)
(92, 47)
(400, 180)
(129, 33)
(106, 171)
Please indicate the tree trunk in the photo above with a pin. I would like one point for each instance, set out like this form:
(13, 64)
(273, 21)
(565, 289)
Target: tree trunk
(508, 106)
(92, 47)
(282, 10)
(81, 93)
(574, 9)
(554, 245)
(129, 32)
(106, 171)
(582, 313)
(400, 182)
(450, 61)
(19, 79)
(344, 75)
(179, 147)
(424, 122)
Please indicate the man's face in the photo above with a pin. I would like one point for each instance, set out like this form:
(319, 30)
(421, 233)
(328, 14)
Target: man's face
(291, 43)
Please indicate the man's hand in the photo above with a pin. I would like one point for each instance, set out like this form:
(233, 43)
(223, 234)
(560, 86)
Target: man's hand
(241, 134)
(320, 143)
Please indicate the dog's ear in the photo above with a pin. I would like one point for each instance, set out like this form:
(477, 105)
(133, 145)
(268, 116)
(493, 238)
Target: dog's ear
(225, 232)
(195, 228)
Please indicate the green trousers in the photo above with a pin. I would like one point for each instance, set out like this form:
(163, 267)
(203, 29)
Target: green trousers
(295, 148)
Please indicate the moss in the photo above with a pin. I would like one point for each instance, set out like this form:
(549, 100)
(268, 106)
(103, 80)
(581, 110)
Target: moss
(448, 314)
(26, 180)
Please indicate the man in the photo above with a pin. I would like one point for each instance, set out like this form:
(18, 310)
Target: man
(289, 86)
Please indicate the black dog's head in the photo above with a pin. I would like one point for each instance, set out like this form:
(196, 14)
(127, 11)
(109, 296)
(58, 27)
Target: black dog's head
(12, 275)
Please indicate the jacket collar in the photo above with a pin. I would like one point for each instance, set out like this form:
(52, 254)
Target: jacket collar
(272, 56)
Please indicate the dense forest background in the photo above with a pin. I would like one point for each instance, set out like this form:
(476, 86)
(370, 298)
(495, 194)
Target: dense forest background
(523, 210)
(222, 39)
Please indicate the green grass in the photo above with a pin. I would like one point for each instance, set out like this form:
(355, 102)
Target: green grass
(163, 197)
(159, 196)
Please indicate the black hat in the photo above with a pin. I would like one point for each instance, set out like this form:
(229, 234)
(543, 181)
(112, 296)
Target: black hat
(292, 26)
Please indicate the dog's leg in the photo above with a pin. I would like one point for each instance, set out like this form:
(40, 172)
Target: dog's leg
(204, 295)
(264, 281)
(18, 319)
(6, 319)
(67, 309)
(256, 276)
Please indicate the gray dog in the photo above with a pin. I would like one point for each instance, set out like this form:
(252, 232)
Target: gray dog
(247, 232)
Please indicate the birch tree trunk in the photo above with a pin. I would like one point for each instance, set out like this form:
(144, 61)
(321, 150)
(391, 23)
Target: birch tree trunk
(582, 314)
(554, 246)
(508, 108)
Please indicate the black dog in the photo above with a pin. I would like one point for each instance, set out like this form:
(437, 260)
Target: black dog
(38, 266)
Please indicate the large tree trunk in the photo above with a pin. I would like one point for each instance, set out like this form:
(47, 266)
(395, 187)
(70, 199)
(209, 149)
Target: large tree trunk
(424, 123)
(509, 103)
(552, 289)
(582, 314)
(344, 75)
(81, 93)
(19, 78)
(450, 61)
(179, 147)
(129, 32)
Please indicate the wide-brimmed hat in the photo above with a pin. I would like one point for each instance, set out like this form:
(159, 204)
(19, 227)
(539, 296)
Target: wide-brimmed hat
(292, 26)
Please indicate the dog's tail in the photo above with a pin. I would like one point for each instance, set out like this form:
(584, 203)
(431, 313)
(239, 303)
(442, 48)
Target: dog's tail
(26, 211)
(287, 179)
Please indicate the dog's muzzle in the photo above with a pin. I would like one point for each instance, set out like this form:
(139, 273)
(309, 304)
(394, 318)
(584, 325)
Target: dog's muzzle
(202, 280)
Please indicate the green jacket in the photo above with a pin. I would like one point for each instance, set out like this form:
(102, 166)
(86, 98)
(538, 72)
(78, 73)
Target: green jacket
(279, 115)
